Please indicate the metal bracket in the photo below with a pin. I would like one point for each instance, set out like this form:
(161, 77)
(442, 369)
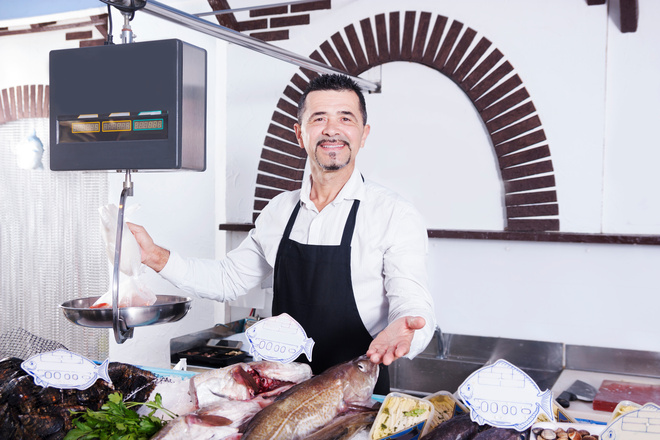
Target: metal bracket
(122, 332)
(174, 15)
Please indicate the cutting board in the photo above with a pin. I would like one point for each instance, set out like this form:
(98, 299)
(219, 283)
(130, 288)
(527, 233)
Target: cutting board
(612, 392)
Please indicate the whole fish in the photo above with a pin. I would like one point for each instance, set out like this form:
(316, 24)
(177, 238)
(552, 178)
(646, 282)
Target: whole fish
(501, 434)
(312, 404)
(459, 427)
(217, 421)
(244, 381)
(504, 396)
(346, 426)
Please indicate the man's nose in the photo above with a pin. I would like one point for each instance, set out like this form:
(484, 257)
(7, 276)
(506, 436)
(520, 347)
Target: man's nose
(331, 128)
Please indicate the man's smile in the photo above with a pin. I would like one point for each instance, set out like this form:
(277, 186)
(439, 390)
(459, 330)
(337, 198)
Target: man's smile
(332, 143)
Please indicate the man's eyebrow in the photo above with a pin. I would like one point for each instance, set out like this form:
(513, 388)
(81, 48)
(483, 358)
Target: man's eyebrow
(315, 114)
(340, 112)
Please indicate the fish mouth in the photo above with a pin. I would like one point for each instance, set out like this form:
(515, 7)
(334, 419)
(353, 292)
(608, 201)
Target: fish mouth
(367, 367)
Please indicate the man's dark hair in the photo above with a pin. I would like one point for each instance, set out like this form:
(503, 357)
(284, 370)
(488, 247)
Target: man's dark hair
(333, 82)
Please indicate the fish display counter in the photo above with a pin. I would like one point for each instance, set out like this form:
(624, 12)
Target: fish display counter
(241, 400)
(262, 393)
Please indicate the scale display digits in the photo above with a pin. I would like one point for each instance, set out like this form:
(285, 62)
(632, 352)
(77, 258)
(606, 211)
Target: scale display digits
(85, 127)
(148, 124)
(116, 125)
(113, 127)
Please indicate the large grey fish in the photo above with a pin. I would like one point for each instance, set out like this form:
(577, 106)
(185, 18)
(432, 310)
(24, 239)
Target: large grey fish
(459, 427)
(312, 404)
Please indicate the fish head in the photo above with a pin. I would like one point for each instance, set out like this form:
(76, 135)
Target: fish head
(466, 390)
(29, 366)
(359, 377)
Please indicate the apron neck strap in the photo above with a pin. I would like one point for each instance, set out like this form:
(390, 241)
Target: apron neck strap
(350, 224)
(292, 220)
(346, 237)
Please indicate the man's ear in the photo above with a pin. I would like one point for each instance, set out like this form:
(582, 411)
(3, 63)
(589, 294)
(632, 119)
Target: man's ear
(298, 130)
(367, 129)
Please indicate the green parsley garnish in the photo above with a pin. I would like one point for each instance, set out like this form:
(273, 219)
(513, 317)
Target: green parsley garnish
(117, 421)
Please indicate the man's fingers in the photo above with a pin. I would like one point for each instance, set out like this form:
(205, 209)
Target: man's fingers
(415, 322)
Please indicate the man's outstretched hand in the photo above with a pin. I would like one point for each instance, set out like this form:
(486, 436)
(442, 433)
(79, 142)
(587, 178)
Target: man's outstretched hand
(394, 341)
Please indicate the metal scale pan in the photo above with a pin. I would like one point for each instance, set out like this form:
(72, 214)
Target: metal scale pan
(167, 308)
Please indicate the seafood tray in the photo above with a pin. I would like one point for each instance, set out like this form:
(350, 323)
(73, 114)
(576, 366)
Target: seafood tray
(539, 428)
(208, 356)
(402, 416)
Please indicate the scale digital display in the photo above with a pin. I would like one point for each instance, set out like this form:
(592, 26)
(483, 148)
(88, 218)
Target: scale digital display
(124, 126)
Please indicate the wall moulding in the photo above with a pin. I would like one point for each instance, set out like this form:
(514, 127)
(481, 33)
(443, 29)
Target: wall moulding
(552, 237)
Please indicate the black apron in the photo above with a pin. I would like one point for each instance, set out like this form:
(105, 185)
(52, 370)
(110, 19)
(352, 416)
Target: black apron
(312, 283)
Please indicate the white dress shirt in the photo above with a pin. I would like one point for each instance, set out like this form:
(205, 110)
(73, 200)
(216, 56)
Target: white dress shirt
(388, 254)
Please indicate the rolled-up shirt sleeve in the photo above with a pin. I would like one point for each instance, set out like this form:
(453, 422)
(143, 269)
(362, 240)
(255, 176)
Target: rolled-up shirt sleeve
(222, 280)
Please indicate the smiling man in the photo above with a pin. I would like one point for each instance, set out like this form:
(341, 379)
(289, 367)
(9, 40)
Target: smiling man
(348, 256)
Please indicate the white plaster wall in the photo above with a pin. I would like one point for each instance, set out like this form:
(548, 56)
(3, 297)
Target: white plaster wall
(594, 90)
(631, 180)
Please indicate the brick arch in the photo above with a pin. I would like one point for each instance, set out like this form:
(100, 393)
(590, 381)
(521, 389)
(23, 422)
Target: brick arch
(473, 64)
(22, 102)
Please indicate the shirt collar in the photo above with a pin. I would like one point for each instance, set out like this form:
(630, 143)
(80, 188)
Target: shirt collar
(352, 190)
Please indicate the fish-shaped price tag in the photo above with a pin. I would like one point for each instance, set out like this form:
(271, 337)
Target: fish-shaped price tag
(639, 424)
(504, 396)
(279, 338)
(65, 370)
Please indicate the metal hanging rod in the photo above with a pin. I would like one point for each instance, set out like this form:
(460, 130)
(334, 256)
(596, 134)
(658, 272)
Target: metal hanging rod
(253, 8)
(174, 15)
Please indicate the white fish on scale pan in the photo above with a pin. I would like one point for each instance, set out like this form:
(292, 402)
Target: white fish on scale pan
(65, 370)
(504, 396)
(279, 338)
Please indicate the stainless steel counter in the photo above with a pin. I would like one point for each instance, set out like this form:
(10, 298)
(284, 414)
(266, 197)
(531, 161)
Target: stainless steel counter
(449, 359)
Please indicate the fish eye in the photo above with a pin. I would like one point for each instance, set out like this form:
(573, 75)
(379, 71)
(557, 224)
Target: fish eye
(361, 366)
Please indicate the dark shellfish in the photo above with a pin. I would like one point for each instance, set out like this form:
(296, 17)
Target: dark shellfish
(29, 411)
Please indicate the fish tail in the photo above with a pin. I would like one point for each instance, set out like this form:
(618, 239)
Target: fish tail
(476, 417)
(38, 381)
(102, 371)
(546, 404)
(308, 347)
